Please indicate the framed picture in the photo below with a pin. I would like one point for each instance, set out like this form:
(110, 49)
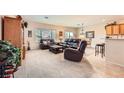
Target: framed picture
(90, 34)
(29, 33)
(60, 33)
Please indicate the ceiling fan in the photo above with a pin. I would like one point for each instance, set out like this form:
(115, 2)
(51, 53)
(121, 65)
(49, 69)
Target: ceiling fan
(82, 27)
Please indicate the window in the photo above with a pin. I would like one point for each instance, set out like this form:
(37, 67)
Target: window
(69, 35)
(45, 34)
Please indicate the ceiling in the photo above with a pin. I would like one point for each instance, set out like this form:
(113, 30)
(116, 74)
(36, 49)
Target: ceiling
(74, 20)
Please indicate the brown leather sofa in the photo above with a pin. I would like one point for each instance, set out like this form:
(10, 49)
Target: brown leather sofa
(46, 43)
(75, 55)
(72, 43)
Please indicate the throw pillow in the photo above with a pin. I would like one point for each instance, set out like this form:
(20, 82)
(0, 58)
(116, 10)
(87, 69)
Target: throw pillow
(45, 42)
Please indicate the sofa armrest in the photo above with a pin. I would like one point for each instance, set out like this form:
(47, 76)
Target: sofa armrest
(72, 51)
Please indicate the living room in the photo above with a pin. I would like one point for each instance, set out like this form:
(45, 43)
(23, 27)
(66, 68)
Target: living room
(51, 45)
(62, 46)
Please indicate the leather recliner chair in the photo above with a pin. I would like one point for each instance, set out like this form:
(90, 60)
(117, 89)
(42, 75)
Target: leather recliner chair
(75, 55)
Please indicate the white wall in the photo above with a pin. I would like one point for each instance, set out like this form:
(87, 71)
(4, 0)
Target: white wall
(34, 25)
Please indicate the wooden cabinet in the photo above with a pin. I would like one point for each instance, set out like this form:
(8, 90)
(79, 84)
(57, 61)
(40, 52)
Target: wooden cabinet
(122, 29)
(12, 31)
(117, 29)
(109, 30)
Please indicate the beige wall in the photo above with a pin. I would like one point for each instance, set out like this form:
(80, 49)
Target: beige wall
(115, 51)
(99, 33)
(34, 25)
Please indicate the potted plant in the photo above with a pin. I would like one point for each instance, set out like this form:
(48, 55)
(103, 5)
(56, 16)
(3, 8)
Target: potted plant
(9, 54)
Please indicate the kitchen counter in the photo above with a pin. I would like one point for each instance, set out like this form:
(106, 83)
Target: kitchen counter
(115, 51)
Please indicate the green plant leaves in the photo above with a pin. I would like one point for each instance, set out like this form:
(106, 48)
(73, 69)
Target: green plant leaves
(9, 53)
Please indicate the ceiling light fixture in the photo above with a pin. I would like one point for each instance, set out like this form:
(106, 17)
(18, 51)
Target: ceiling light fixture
(82, 32)
(82, 28)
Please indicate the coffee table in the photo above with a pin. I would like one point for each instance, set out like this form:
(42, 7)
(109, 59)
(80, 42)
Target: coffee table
(56, 49)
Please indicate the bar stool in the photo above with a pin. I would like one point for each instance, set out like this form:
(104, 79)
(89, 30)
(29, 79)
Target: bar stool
(100, 49)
